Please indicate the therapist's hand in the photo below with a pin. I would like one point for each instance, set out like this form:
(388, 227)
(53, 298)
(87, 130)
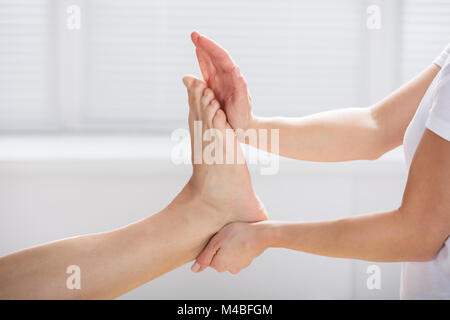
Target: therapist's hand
(224, 77)
(233, 248)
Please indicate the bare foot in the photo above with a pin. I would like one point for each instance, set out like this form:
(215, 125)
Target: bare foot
(225, 186)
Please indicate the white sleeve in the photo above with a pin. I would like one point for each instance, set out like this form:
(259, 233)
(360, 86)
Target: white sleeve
(439, 117)
(442, 58)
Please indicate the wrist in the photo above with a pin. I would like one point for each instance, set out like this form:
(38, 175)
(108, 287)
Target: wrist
(271, 234)
(254, 122)
(267, 233)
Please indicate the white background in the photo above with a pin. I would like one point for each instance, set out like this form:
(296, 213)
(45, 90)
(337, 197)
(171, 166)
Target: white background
(122, 70)
(299, 57)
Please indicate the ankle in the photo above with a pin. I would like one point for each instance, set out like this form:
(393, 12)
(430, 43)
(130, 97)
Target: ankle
(195, 204)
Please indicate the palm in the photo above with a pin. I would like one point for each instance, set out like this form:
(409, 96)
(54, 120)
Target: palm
(235, 105)
(223, 77)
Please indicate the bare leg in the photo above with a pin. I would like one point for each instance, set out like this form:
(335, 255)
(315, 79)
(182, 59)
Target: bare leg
(115, 262)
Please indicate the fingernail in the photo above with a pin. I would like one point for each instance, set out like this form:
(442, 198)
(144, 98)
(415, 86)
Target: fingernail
(194, 36)
(195, 267)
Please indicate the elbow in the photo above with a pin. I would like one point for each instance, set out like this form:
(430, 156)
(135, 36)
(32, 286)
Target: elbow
(381, 141)
(379, 145)
(422, 236)
(377, 148)
(374, 154)
(423, 254)
(422, 243)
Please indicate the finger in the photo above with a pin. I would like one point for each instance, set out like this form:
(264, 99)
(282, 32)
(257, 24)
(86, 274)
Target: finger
(194, 37)
(205, 257)
(219, 56)
(233, 270)
(217, 262)
(206, 66)
(238, 81)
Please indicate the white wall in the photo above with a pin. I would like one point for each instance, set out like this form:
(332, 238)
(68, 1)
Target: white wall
(43, 200)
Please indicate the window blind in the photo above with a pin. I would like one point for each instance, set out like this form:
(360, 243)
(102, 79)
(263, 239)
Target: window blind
(291, 53)
(27, 67)
(299, 57)
(425, 31)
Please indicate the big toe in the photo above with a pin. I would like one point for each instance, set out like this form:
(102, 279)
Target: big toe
(189, 81)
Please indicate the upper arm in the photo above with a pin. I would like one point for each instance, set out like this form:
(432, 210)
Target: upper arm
(426, 202)
(393, 114)
(425, 208)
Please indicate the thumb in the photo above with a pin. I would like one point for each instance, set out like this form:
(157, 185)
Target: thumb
(205, 257)
(206, 66)
(239, 82)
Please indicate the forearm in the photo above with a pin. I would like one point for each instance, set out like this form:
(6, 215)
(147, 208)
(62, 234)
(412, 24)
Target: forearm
(384, 237)
(111, 263)
(352, 133)
(338, 135)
